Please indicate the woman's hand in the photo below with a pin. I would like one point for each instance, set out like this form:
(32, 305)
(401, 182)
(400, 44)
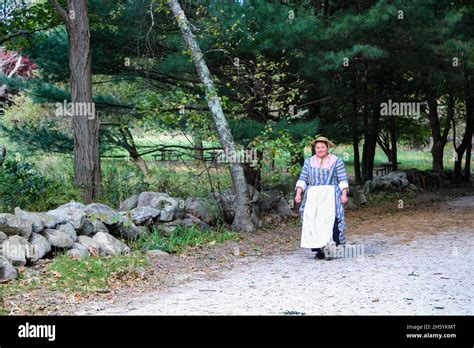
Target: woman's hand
(344, 197)
(298, 195)
(298, 198)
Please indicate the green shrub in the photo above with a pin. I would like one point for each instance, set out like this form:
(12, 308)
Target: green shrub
(121, 180)
(187, 182)
(22, 185)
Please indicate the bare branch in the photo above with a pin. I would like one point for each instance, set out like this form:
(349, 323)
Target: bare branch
(60, 10)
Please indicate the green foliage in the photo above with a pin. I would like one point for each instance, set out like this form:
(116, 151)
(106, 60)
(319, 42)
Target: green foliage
(184, 237)
(120, 181)
(22, 185)
(188, 182)
(247, 131)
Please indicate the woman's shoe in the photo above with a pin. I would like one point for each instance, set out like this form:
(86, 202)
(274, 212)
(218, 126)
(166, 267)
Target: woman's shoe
(319, 254)
(327, 252)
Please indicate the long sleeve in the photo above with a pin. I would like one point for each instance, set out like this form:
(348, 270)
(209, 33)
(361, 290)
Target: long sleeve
(343, 182)
(303, 179)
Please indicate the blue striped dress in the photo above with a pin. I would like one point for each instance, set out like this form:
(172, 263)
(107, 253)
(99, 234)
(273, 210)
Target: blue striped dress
(336, 175)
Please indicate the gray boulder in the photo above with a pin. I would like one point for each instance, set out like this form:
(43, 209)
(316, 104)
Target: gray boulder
(254, 193)
(87, 228)
(78, 251)
(395, 175)
(90, 244)
(404, 183)
(145, 198)
(226, 199)
(199, 208)
(168, 207)
(181, 213)
(369, 187)
(110, 245)
(359, 197)
(269, 200)
(72, 204)
(40, 245)
(283, 208)
(386, 184)
(141, 215)
(13, 225)
(3, 237)
(39, 221)
(17, 249)
(272, 219)
(69, 230)
(129, 204)
(58, 239)
(168, 228)
(104, 213)
(71, 214)
(7, 271)
(191, 221)
(99, 226)
(131, 231)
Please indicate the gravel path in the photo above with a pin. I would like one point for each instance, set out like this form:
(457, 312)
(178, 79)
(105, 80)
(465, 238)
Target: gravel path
(432, 274)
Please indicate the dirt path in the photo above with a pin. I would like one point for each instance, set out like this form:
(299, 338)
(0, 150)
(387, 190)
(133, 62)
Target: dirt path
(413, 262)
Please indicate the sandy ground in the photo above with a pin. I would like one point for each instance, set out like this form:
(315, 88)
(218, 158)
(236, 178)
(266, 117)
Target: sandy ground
(421, 266)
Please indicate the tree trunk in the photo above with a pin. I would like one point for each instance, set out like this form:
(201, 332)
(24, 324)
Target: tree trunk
(440, 137)
(372, 141)
(87, 172)
(141, 164)
(253, 174)
(199, 152)
(466, 143)
(467, 164)
(469, 132)
(355, 136)
(3, 154)
(325, 5)
(371, 131)
(438, 146)
(393, 139)
(245, 219)
(383, 140)
(365, 175)
(129, 143)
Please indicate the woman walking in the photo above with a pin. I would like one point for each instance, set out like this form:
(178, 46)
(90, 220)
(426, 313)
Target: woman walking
(324, 182)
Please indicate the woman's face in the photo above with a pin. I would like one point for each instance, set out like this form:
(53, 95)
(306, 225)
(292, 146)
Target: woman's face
(321, 149)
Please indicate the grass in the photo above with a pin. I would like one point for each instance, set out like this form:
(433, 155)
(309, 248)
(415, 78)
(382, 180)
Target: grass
(85, 275)
(92, 273)
(183, 238)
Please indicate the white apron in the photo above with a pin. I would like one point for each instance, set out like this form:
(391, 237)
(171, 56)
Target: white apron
(318, 217)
